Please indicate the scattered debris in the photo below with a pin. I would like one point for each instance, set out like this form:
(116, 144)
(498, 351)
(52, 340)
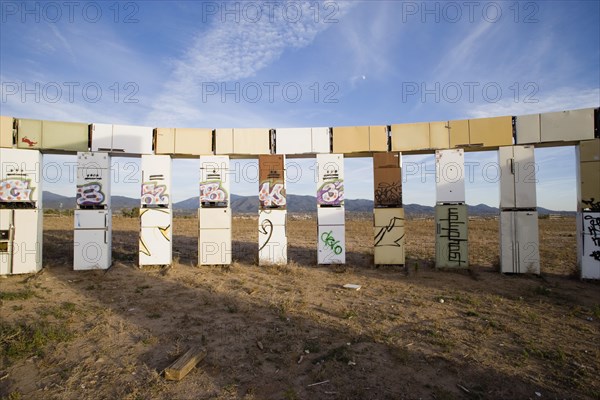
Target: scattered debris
(300, 359)
(184, 364)
(464, 389)
(259, 345)
(351, 286)
(351, 362)
(318, 383)
(538, 394)
(442, 301)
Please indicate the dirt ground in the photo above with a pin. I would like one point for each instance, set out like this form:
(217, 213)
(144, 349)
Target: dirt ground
(292, 332)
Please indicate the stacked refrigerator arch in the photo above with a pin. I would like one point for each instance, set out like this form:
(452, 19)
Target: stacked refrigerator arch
(272, 213)
(331, 235)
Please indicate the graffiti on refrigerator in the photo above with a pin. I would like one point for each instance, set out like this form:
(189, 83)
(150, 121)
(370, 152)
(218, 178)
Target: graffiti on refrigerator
(593, 205)
(212, 191)
(15, 190)
(90, 194)
(388, 193)
(271, 194)
(384, 238)
(164, 231)
(154, 194)
(266, 228)
(453, 234)
(329, 241)
(331, 193)
(29, 142)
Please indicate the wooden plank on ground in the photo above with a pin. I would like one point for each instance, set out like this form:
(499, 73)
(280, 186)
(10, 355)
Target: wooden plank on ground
(184, 364)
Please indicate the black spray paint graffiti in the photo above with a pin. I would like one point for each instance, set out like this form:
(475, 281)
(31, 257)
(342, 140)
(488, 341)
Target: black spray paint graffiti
(383, 239)
(453, 235)
(593, 205)
(594, 231)
(388, 193)
(330, 242)
(266, 228)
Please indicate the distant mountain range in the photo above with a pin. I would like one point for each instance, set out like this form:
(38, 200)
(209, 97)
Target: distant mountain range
(296, 203)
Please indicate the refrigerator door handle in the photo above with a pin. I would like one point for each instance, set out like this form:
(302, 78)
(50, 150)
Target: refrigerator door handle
(512, 166)
(106, 220)
(105, 241)
(438, 228)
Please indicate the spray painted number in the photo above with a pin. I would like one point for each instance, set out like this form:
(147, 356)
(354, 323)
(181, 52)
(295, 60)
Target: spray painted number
(329, 241)
(15, 190)
(89, 194)
(272, 195)
(212, 191)
(331, 193)
(154, 194)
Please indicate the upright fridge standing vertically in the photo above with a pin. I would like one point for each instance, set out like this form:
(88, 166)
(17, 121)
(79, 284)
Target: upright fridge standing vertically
(93, 214)
(156, 218)
(451, 249)
(20, 211)
(214, 214)
(331, 235)
(519, 243)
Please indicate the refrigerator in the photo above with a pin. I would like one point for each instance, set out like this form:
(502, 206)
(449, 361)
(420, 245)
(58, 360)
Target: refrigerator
(331, 231)
(451, 250)
(156, 217)
(52, 135)
(272, 213)
(590, 245)
(450, 176)
(93, 215)
(388, 232)
(20, 211)
(214, 214)
(122, 139)
(519, 236)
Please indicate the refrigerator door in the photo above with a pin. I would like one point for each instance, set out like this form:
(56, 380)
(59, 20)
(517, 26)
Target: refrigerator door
(525, 180)
(164, 140)
(272, 243)
(276, 217)
(506, 162)
(214, 247)
(27, 243)
(251, 141)
(6, 131)
(132, 139)
(320, 140)
(332, 244)
(450, 176)
(528, 129)
(102, 137)
(29, 134)
(351, 139)
(69, 136)
(567, 125)
(92, 249)
(508, 251)
(193, 141)
(459, 132)
(589, 150)
(20, 176)
(406, 137)
(439, 136)
(224, 141)
(451, 249)
(330, 179)
(93, 179)
(271, 169)
(214, 181)
(92, 219)
(526, 228)
(156, 180)
(388, 236)
(378, 138)
(6, 240)
(589, 184)
(388, 187)
(293, 140)
(214, 218)
(330, 215)
(590, 257)
(491, 132)
(155, 244)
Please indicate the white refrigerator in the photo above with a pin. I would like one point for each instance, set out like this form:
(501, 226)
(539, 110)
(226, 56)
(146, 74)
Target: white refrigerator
(331, 231)
(93, 236)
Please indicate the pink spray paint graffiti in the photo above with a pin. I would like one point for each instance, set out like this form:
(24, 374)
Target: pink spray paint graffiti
(212, 191)
(15, 190)
(331, 193)
(90, 194)
(272, 194)
(154, 194)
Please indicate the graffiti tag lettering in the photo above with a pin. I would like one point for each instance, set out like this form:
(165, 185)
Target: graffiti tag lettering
(266, 228)
(29, 142)
(593, 205)
(329, 241)
(383, 239)
(453, 234)
(90, 194)
(154, 194)
(15, 190)
(388, 194)
(331, 193)
(271, 195)
(212, 192)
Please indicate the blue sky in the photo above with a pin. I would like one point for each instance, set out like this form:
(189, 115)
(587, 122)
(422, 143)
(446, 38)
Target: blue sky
(334, 63)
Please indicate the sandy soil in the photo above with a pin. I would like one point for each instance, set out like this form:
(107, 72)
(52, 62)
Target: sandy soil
(292, 332)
